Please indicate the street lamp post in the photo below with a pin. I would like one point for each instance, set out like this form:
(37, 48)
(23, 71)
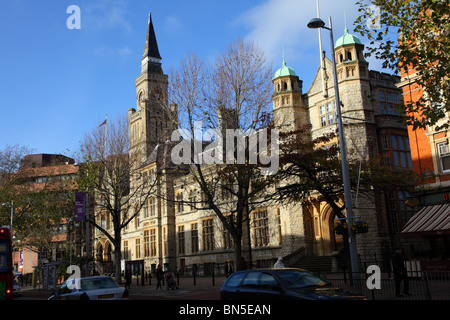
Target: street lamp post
(315, 24)
(87, 226)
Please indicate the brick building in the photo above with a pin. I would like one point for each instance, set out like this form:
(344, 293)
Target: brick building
(42, 172)
(427, 233)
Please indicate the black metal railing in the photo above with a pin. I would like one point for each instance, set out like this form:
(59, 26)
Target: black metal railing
(429, 285)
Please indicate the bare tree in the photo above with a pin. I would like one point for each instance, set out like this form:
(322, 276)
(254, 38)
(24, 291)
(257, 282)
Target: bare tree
(220, 108)
(105, 174)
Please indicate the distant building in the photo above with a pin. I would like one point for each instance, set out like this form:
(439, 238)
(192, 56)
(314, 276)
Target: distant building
(38, 172)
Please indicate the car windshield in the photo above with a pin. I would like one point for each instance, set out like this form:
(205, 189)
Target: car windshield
(298, 280)
(97, 283)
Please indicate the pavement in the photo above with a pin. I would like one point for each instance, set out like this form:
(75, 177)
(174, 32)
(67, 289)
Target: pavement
(203, 289)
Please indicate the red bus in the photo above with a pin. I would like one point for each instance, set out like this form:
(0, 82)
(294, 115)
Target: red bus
(6, 265)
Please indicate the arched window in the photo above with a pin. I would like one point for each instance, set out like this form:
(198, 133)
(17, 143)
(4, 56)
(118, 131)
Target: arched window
(103, 222)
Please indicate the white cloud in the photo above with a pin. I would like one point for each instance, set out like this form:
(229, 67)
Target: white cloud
(106, 14)
(277, 23)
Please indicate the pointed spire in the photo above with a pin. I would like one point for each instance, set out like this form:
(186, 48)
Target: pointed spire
(151, 46)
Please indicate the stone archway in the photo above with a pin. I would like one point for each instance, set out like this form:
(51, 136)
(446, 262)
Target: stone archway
(332, 242)
(108, 251)
(99, 252)
(327, 217)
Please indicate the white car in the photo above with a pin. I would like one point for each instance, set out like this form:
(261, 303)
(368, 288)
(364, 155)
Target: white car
(90, 288)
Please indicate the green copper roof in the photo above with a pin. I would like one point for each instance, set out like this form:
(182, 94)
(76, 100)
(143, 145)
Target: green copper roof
(347, 38)
(284, 71)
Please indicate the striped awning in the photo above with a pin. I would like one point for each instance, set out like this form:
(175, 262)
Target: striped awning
(434, 219)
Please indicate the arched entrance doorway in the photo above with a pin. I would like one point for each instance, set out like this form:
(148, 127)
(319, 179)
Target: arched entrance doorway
(321, 217)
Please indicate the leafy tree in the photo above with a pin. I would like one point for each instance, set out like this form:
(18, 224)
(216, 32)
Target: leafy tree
(312, 167)
(39, 207)
(421, 51)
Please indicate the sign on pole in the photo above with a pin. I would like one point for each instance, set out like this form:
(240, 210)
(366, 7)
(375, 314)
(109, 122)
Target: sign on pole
(80, 206)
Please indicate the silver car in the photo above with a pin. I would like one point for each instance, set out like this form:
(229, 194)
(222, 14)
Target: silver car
(90, 288)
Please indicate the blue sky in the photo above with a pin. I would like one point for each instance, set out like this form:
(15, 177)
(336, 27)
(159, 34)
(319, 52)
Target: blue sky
(56, 84)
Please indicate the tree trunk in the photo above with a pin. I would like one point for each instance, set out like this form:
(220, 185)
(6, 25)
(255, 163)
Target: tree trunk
(239, 265)
(117, 254)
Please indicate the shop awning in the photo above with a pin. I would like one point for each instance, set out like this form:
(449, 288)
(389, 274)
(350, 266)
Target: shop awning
(434, 219)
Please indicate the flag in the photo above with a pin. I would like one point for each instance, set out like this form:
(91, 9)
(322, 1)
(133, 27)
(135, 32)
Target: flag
(103, 123)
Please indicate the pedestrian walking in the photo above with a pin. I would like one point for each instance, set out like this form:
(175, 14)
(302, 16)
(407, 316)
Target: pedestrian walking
(400, 273)
(159, 277)
(229, 268)
(279, 263)
(128, 277)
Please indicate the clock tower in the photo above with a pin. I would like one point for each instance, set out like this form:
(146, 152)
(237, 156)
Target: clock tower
(150, 123)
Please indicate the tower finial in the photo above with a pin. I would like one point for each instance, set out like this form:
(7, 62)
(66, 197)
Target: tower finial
(345, 21)
(284, 60)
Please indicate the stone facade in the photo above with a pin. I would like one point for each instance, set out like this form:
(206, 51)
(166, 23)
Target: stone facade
(183, 238)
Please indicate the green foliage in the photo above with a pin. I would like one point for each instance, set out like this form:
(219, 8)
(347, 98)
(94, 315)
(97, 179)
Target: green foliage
(423, 45)
(39, 207)
(312, 167)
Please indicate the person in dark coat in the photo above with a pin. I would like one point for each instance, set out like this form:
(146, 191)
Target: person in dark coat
(229, 268)
(400, 273)
(159, 277)
(128, 277)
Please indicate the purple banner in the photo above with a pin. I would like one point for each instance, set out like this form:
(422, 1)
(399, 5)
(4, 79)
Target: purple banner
(80, 206)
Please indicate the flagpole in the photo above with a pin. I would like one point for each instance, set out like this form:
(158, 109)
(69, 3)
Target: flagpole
(106, 131)
(322, 57)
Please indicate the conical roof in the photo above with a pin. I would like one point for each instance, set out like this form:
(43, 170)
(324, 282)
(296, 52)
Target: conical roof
(151, 46)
